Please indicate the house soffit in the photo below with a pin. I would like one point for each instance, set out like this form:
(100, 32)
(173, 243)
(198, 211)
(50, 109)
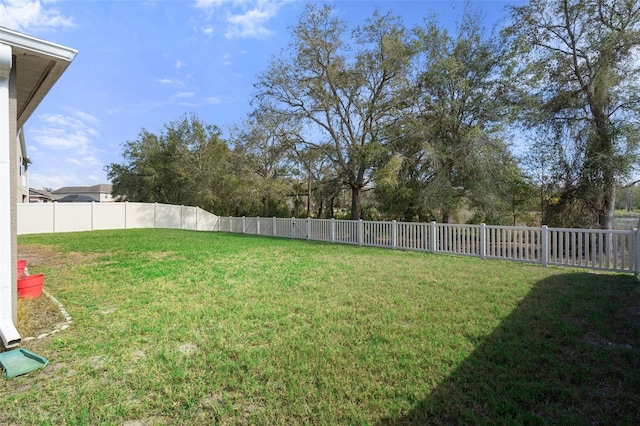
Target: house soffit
(38, 65)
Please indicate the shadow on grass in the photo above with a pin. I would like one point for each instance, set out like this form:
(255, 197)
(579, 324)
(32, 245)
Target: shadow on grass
(569, 353)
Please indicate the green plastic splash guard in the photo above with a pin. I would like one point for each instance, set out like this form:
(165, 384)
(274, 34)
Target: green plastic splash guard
(21, 361)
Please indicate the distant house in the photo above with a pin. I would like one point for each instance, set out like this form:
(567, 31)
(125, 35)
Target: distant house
(76, 198)
(100, 193)
(40, 196)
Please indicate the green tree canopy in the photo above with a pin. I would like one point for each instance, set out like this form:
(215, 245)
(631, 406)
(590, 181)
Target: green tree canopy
(448, 152)
(578, 75)
(341, 93)
(186, 164)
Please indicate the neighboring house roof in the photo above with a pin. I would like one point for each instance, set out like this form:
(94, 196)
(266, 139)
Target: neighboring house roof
(40, 193)
(102, 188)
(40, 63)
(75, 198)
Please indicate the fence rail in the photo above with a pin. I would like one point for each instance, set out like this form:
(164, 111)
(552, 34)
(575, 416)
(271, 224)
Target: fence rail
(609, 250)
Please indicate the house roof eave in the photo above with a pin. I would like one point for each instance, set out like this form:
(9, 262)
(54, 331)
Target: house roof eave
(45, 62)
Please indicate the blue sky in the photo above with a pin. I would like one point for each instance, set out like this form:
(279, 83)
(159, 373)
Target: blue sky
(141, 64)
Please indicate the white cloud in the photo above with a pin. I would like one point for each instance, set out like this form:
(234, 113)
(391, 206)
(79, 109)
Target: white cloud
(206, 4)
(180, 64)
(25, 15)
(170, 82)
(123, 110)
(66, 123)
(243, 18)
(60, 139)
(226, 60)
(67, 131)
(74, 161)
(63, 148)
(46, 180)
(177, 98)
(86, 117)
(89, 160)
(212, 100)
(156, 104)
(252, 23)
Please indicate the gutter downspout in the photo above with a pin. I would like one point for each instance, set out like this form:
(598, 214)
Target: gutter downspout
(10, 336)
(24, 167)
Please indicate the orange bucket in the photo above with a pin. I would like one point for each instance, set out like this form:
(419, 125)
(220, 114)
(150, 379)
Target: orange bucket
(30, 287)
(21, 265)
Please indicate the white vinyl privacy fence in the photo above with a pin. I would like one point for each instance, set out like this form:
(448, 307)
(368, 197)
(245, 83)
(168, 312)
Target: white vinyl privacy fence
(611, 250)
(36, 218)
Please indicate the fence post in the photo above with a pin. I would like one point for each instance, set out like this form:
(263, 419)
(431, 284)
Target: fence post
(332, 230)
(544, 249)
(155, 214)
(483, 241)
(93, 203)
(432, 237)
(258, 224)
(394, 234)
(360, 232)
(293, 227)
(55, 206)
(274, 225)
(308, 230)
(636, 251)
(244, 224)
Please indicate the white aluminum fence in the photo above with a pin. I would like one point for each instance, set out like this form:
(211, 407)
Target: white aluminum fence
(36, 218)
(610, 250)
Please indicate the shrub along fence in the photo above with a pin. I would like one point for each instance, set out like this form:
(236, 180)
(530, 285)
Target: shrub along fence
(610, 250)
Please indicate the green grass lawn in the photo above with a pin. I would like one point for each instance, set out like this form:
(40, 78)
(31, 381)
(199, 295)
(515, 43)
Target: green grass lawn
(179, 327)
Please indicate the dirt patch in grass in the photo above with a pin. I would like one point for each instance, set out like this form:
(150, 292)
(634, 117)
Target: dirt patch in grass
(38, 316)
(41, 315)
(37, 255)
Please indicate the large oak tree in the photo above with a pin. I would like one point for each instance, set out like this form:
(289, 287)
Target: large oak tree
(579, 72)
(342, 87)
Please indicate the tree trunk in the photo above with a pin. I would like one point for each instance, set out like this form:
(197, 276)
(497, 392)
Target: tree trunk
(331, 207)
(309, 196)
(605, 150)
(605, 218)
(542, 204)
(356, 198)
(265, 206)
